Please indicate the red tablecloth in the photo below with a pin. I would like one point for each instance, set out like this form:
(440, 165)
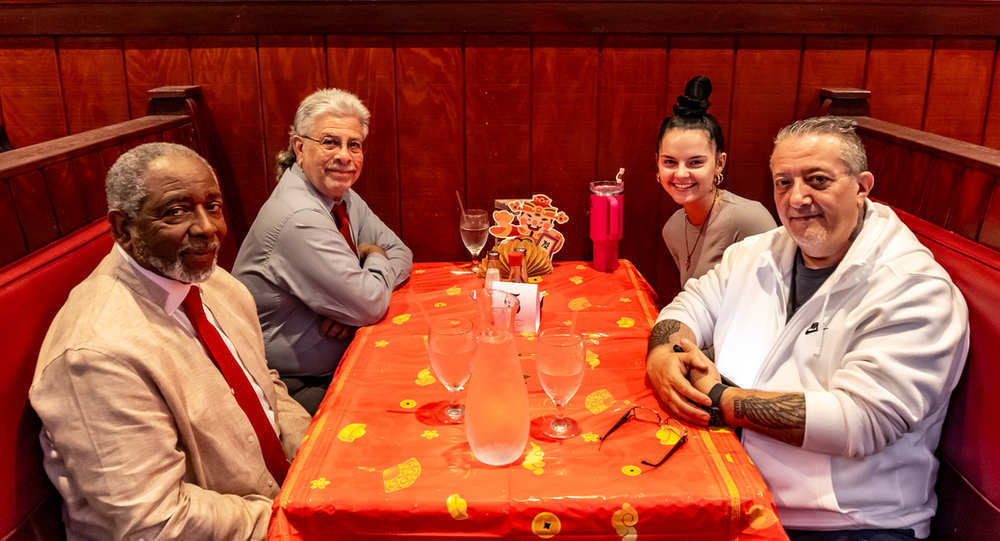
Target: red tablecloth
(375, 463)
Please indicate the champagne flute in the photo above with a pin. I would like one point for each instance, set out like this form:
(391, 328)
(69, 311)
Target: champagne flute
(475, 226)
(560, 359)
(451, 345)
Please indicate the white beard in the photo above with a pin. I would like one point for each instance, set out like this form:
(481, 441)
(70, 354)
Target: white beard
(171, 269)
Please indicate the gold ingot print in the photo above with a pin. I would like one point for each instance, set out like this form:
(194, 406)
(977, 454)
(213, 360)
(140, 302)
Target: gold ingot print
(599, 401)
(624, 521)
(761, 517)
(425, 378)
(453, 290)
(457, 507)
(579, 303)
(401, 475)
(625, 322)
(546, 525)
(352, 432)
(440, 304)
(668, 435)
(593, 359)
(576, 280)
(399, 320)
(381, 344)
(581, 267)
(534, 460)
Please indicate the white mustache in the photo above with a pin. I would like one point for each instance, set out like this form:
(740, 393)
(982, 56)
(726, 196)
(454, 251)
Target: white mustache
(341, 168)
(192, 247)
(804, 212)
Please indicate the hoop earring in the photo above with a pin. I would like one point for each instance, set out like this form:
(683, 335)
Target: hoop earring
(718, 179)
(657, 178)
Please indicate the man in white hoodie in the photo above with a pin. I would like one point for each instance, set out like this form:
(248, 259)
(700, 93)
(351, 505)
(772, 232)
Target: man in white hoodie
(845, 340)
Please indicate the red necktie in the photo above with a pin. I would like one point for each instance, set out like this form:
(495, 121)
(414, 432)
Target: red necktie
(245, 396)
(340, 213)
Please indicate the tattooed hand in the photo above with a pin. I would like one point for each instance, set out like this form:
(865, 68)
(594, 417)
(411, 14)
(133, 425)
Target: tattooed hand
(669, 369)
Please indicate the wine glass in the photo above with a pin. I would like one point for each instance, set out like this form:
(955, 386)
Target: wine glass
(475, 226)
(560, 360)
(451, 345)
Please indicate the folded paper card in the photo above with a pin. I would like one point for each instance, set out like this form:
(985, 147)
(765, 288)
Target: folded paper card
(529, 313)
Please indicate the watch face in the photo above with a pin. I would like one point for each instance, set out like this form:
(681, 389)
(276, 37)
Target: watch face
(716, 416)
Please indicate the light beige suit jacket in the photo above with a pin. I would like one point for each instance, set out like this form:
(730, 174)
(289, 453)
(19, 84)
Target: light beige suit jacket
(142, 435)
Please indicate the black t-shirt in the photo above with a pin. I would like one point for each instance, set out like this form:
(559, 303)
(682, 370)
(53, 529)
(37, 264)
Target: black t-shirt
(805, 283)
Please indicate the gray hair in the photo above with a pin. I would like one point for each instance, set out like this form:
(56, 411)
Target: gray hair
(126, 181)
(852, 150)
(329, 101)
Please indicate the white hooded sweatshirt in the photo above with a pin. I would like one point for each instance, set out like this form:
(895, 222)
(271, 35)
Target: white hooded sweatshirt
(877, 351)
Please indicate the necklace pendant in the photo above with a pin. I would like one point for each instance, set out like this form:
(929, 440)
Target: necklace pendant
(689, 263)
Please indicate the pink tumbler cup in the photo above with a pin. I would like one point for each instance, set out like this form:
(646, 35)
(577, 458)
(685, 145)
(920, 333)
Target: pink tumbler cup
(607, 206)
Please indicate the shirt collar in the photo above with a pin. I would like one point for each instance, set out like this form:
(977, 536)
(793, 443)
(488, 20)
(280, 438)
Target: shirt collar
(176, 291)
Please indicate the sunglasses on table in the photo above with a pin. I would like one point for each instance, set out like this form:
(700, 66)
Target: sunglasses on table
(651, 416)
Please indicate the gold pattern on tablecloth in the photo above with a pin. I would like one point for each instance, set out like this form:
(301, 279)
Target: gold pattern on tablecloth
(593, 359)
(440, 304)
(576, 280)
(581, 267)
(624, 299)
(430, 434)
(425, 378)
(734, 491)
(668, 435)
(578, 304)
(546, 525)
(625, 322)
(631, 470)
(352, 432)
(381, 344)
(624, 521)
(534, 460)
(399, 320)
(453, 290)
(408, 404)
(457, 507)
(761, 517)
(401, 475)
(320, 483)
(599, 401)
(590, 436)
(535, 280)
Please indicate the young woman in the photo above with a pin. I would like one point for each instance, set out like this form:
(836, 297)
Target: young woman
(690, 157)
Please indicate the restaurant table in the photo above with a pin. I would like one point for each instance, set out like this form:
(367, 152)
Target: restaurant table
(376, 463)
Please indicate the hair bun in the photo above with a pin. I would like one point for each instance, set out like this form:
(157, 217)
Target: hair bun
(694, 102)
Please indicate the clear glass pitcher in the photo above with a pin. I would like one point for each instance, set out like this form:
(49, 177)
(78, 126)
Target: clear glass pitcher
(496, 413)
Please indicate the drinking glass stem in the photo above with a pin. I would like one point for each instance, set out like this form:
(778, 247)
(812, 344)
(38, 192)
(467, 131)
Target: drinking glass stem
(560, 414)
(453, 399)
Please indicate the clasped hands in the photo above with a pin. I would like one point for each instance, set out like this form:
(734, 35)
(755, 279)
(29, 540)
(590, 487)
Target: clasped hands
(682, 376)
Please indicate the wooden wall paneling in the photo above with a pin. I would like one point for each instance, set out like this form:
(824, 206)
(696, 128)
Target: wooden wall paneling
(109, 156)
(971, 200)
(66, 193)
(154, 61)
(365, 65)
(13, 245)
(564, 131)
(991, 133)
(631, 105)
(957, 96)
(497, 119)
(713, 56)
(940, 190)
(431, 143)
(829, 62)
(93, 81)
(174, 135)
(761, 107)
(909, 174)
(897, 75)
(875, 150)
(34, 209)
(31, 93)
(989, 234)
(90, 171)
(226, 69)
(291, 68)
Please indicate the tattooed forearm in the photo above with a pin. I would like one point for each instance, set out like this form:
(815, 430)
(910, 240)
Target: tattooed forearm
(662, 332)
(781, 412)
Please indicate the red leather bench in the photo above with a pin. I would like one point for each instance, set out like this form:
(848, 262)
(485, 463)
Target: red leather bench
(53, 231)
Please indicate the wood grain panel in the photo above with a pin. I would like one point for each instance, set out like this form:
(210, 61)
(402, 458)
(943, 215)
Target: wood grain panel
(942, 179)
(154, 61)
(431, 143)
(691, 55)
(93, 81)
(226, 69)
(991, 134)
(90, 172)
(564, 131)
(829, 62)
(365, 65)
(30, 90)
(13, 245)
(957, 98)
(971, 201)
(498, 119)
(291, 67)
(897, 74)
(64, 189)
(989, 234)
(631, 105)
(34, 209)
(909, 176)
(761, 107)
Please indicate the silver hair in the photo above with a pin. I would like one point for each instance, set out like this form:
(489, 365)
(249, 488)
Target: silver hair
(125, 184)
(852, 150)
(329, 101)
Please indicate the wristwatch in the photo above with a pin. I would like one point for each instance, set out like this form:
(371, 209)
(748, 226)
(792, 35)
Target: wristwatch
(715, 410)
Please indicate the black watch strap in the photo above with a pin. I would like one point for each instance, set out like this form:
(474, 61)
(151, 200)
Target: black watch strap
(715, 410)
(716, 393)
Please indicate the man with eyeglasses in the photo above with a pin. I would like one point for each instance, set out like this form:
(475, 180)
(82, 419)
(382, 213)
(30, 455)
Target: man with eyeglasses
(845, 340)
(317, 260)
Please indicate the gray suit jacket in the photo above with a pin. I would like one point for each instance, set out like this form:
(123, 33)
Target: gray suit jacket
(142, 435)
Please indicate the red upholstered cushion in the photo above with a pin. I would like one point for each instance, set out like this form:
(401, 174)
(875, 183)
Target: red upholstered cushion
(32, 290)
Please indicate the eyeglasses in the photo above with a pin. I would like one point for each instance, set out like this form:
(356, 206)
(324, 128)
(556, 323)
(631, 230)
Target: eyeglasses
(331, 144)
(645, 415)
